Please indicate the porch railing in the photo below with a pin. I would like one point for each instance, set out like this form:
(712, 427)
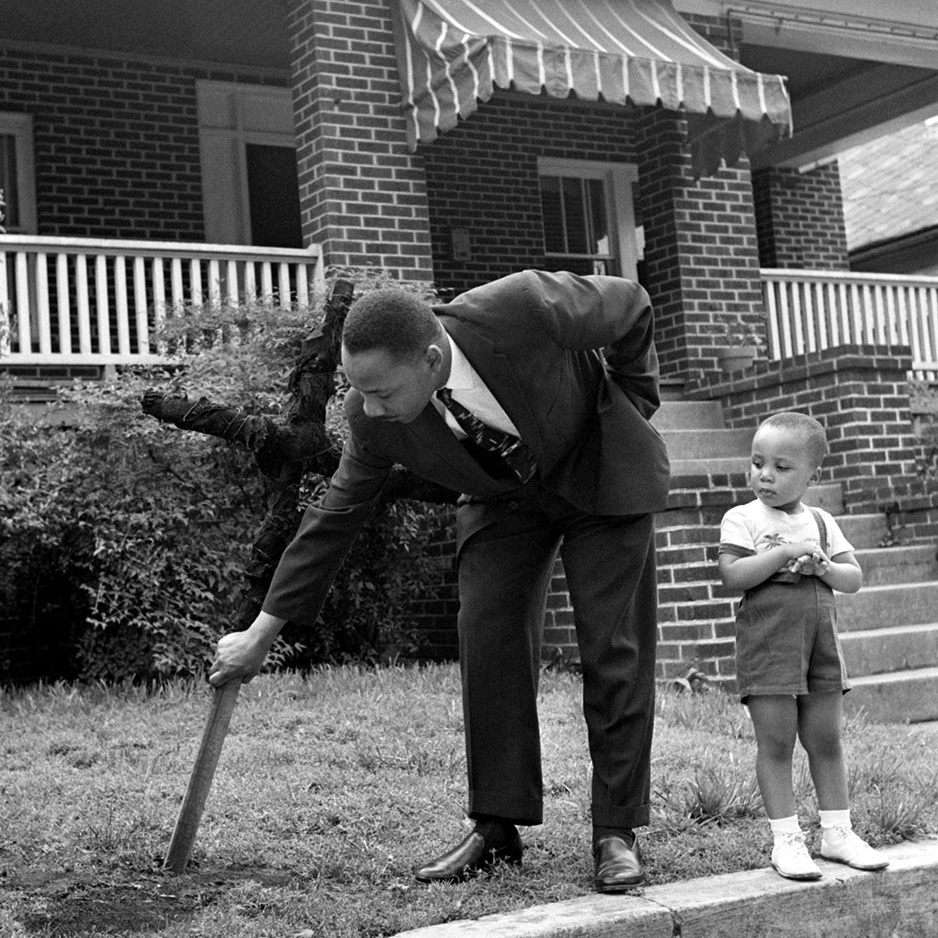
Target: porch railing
(101, 301)
(93, 301)
(812, 310)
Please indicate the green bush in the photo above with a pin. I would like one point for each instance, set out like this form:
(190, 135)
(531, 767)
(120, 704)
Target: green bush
(147, 527)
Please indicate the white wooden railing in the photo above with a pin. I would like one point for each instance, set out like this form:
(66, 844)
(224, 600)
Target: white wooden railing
(812, 310)
(101, 301)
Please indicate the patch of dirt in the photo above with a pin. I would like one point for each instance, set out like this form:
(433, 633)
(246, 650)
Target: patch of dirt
(70, 905)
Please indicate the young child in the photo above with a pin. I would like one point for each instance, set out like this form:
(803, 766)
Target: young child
(788, 559)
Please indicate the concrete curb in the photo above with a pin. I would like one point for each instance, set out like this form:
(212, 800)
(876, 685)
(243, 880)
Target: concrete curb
(899, 902)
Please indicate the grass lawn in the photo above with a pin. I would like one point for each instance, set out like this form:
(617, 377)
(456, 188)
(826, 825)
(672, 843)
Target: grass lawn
(331, 788)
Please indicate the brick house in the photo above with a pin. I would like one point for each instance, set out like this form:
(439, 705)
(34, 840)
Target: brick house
(172, 148)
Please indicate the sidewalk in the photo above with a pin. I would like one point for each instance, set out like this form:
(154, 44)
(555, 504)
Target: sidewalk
(899, 902)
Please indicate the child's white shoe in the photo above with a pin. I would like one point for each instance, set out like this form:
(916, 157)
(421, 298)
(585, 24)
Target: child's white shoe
(790, 858)
(842, 845)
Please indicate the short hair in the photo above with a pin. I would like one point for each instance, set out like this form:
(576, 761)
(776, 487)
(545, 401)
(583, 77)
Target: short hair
(811, 430)
(391, 320)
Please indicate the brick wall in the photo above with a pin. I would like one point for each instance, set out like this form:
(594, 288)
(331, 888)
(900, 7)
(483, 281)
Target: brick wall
(436, 617)
(860, 394)
(724, 32)
(362, 193)
(696, 615)
(701, 252)
(701, 248)
(116, 141)
(800, 218)
(482, 176)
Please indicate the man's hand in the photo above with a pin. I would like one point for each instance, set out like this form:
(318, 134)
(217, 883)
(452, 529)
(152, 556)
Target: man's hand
(241, 654)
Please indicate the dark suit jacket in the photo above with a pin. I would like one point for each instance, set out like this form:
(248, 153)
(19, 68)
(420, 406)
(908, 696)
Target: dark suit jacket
(572, 362)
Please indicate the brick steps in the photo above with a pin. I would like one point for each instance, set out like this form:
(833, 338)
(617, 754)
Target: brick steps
(830, 497)
(886, 605)
(863, 531)
(891, 649)
(698, 440)
(688, 415)
(726, 465)
(882, 566)
(898, 697)
(696, 444)
(888, 629)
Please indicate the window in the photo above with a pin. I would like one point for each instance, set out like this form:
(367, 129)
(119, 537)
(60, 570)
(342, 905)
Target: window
(17, 174)
(250, 190)
(588, 216)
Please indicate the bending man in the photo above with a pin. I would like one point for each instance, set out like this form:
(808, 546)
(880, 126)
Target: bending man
(530, 396)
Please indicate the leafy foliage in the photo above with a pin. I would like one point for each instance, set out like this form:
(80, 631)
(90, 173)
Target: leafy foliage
(140, 528)
(134, 534)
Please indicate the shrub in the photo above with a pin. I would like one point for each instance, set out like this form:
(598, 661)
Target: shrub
(146, 527)
(141, 528)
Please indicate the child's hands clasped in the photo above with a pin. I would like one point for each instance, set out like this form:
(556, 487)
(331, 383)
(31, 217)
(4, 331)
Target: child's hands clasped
(815, 563)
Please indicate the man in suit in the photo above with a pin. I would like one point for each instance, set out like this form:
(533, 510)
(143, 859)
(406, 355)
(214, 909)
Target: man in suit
(558, 374)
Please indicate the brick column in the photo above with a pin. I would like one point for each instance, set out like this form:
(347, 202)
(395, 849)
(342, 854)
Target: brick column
(701, 253)
(362, 192)
(800, 218)
(701, 248)
(861, 396)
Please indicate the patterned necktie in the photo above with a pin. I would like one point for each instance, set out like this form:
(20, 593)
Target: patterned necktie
(511, 449)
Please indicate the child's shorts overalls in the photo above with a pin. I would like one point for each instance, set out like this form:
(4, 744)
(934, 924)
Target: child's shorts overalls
(786, 638)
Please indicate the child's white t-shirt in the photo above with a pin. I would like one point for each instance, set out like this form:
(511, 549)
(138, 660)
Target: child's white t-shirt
(754, 528)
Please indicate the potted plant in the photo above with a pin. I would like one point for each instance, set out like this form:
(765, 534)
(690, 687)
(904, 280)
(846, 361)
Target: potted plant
(739, 345)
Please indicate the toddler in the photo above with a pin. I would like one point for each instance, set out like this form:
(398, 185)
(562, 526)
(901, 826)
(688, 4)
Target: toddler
(788, 559)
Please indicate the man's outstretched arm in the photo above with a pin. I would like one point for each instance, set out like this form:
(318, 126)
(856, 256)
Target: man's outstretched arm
(308, 566)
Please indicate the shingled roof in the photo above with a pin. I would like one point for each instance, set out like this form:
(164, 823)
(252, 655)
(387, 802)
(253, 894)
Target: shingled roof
(890, 185)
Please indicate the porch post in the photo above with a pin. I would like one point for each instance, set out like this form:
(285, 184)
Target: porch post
(701, 252)
(701, 245)
(800, 218)
(362, 192)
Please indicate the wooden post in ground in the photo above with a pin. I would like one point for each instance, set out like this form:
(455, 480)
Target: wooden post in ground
(213, 738)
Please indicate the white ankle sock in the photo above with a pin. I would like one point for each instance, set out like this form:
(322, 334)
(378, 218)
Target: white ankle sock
(784, 825)
(831, 819)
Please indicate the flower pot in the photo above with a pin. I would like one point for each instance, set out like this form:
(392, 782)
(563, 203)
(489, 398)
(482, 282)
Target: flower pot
(735, 358)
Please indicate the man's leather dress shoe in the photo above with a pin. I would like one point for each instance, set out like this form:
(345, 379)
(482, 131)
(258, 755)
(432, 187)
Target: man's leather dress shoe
(471, 857)
(617, 864)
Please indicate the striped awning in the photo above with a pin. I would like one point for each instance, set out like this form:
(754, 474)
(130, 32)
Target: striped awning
(453, 54)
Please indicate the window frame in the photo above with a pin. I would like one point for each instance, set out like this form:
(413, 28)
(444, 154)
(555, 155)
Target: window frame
(225, 196)
(19, 126)
(618, 179)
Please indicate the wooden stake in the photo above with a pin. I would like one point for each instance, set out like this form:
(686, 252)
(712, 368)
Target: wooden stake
(213, 738)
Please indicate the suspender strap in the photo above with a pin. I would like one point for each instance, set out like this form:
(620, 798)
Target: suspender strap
(821, 526)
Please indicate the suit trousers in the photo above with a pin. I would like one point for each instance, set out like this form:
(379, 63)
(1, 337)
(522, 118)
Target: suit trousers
(506, 555)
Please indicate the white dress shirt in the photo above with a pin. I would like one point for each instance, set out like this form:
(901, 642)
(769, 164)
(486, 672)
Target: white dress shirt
(470, 390)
